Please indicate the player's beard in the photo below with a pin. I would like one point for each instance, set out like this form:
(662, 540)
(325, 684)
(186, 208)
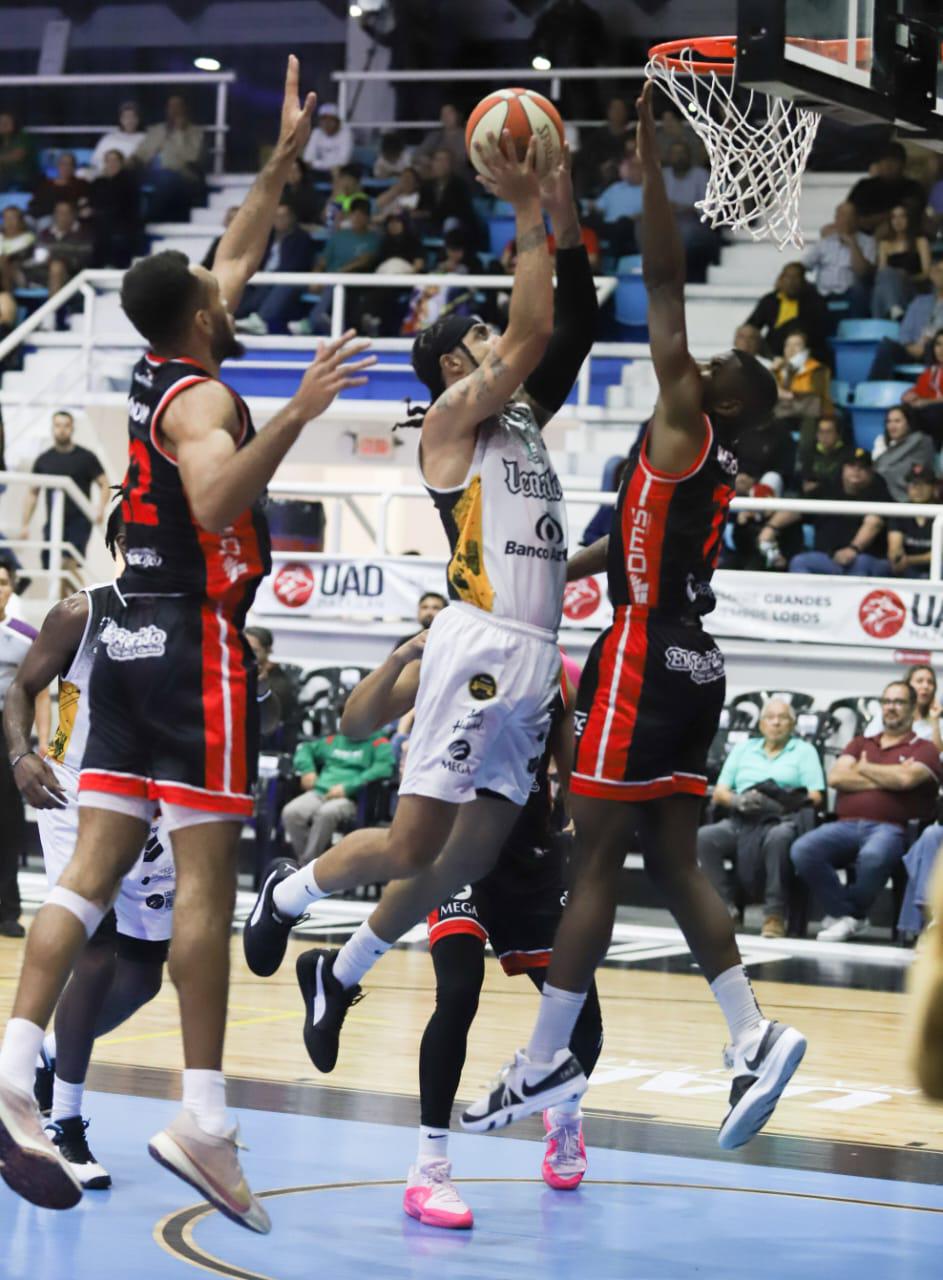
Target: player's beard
(224, 344)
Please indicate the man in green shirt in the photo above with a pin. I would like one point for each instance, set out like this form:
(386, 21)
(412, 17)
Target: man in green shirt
(759, 832)
(333, 772)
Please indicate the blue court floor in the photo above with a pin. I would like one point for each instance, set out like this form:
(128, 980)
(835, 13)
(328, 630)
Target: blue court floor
(334, 1187)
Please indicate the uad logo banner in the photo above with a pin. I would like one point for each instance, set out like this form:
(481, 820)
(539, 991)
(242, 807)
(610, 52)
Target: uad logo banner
(341, 587)
(582, 600)
(886, 614)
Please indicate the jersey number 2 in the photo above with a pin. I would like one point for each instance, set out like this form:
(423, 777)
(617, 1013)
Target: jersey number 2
(137, 507)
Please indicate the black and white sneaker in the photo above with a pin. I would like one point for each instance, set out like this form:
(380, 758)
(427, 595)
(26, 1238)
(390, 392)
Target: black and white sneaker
(265, 934)
(326, 1005)
(69, 1136)
(43, 1082)
(763, 1065)
(522, 1088)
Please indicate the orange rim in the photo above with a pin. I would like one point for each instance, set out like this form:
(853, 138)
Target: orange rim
(719, 53)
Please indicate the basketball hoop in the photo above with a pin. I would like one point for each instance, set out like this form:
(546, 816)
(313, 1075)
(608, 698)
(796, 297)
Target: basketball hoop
(757, 145)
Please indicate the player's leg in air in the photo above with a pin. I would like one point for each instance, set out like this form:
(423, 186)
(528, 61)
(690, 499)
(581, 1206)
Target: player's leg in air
(649, 703)
(926, 988)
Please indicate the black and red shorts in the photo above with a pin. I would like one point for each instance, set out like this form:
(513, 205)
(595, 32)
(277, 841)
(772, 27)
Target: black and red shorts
(647, 710)
(172, 707)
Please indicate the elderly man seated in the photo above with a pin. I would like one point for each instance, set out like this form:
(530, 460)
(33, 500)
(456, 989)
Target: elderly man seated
(764, 783)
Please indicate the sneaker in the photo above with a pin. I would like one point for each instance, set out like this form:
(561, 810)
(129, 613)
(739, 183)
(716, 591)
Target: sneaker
(265, 933)
(43, 1082)
(842, 929)
(431, 1197)
(300, 328)
(253, 324)
(11, 929)
(326, 1005)
(773, 927)
(211, 1165)
(69, 1136)
(522, 1088)
(564, 1161)
(763, 1064)
(29, 1164)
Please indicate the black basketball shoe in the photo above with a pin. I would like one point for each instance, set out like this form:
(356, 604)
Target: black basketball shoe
(69, 1136)
(43, 1082)
(266, 932)
(326, 1005)
(523, 1088)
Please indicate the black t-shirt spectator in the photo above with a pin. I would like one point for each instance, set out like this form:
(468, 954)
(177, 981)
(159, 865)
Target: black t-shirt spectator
(835, 531)
(81, 465)
(450, 202)
(917, 533)
(872, 196)
(767, 448)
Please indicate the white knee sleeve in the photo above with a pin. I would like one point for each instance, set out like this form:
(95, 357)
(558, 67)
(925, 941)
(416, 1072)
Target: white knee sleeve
(88, 913)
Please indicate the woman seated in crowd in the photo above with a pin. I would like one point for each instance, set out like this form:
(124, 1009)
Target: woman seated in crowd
(823, 461)
(16, 243)
(300, 193)
(903, 265)
(804, 388)
(898, 448)
(925, 397)
(922, 679)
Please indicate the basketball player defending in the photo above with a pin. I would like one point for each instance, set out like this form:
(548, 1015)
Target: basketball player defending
(649, 703)
(121, 969)
(171, 697)
(491, 666)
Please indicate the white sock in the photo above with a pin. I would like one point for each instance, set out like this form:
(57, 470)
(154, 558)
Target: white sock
(559, 1011)
(564, 1111)
(433, 1144)
(22, 1042)
(49, 1046)
(66, 1099)
(204, 1096)
(358, 954)
(297, 892)
(734, 994)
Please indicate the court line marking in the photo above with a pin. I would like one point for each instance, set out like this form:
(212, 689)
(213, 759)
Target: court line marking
(174, 1233)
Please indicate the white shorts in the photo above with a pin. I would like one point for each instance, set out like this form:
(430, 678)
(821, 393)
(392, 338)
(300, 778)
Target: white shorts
(486, 689)
(145, 903)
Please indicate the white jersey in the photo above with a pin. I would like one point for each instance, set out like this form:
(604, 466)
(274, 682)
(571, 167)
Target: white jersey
(68, 742)
(506, 524)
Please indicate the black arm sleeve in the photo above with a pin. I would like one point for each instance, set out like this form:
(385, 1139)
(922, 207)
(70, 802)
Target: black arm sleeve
(574, 329)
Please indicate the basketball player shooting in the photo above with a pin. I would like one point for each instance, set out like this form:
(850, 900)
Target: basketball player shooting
(650, 700)
(171, 696)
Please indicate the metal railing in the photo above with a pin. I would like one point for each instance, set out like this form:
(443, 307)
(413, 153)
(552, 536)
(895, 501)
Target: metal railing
(60, 488)
(219, 127)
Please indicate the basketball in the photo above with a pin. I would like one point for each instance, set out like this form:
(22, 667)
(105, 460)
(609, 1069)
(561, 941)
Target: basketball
(525, 114)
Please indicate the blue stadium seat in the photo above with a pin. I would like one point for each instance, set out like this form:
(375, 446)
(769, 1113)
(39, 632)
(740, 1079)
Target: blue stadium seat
(19, 198)
(500, 231)
(872, 401)
(608, 478)
(840, 392)
(628, 263)
(855, 345)
(631, 301)
(867, 330)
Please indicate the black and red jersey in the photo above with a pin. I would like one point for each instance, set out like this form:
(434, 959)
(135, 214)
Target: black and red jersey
(667, 531)
(168, 552)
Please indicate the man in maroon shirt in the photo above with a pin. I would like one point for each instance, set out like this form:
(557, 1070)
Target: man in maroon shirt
(882, 782)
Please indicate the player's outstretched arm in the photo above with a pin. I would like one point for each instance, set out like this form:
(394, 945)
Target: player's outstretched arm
(588, 560)
(386, 693)
(486, 391)
(50, 653)
(202, 425)
(678, 423)
(241, 248)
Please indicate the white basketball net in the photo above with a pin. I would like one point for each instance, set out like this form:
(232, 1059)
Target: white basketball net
(757, 152)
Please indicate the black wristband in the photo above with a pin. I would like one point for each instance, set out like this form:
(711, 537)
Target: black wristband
(574, 330)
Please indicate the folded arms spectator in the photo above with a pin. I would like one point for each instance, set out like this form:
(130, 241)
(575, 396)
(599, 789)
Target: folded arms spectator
(793, 304)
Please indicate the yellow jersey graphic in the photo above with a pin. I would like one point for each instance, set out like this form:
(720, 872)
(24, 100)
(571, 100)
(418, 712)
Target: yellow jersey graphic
(467, 573)
(69, 696)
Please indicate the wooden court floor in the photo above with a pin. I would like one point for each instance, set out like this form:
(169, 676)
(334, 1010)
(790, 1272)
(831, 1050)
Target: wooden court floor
(661, 1060)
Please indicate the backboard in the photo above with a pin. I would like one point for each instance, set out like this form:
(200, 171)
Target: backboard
(859, 60)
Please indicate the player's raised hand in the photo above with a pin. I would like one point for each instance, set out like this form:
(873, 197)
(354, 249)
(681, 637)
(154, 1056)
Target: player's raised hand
(296, 116)
(509, 178)
(556, 186)
(645, 134)
(332, 372)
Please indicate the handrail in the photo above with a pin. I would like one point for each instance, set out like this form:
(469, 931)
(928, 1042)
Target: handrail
(61, 486)
(222, 80)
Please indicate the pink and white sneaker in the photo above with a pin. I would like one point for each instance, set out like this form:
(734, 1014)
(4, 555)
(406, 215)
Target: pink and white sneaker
(431, 1197)
(564, 1161)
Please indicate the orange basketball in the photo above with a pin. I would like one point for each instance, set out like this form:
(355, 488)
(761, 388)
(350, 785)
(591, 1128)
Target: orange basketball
(525, 114)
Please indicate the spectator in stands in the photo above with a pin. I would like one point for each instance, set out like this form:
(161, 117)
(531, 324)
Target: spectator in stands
(620, 206)
(283, 685)
(428, 302)
(399, 245)
(804, 387)
(345, 190)
(749, 339)
(267, 308)
(601, 522)
(883, 782)
(903, 264)
(351, 248)
(922, 319)
(66, 458)
(686, 183)
(897, 449)
(172, 154)
(393, 156)
(793, 304)
(332, 771)
(920, 861)
(126, 138)
(909, 538)
(62, 249)
(671, 128)
(450, 137)
(925, 398)
(16, 242)
(458, 258)
(604, 148)
(844, 544)
(331, 144)
(767, 448)
(922, 679)
(403, 196)
(7, 314)
(115, 203)
(18, 167)
(742, 548)
(445, 199)
(822, 461)
(210, 254)
(875, 196)
(770, 785)
(431, 604)
(842, 260)
(300, 193)
(66, 185)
